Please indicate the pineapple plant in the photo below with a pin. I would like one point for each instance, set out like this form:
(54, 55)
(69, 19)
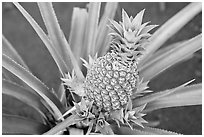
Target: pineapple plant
(112, 78)
(113, 95)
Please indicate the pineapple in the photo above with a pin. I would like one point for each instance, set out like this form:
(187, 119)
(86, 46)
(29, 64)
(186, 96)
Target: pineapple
(112, 78)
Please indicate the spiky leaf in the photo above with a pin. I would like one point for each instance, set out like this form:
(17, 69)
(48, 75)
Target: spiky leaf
(187, 96)
(154, 96)
(34, 83)
(49, 45)
(24, 95)
(20, 125)
(171, 27)
(171, 57)
(91, 28)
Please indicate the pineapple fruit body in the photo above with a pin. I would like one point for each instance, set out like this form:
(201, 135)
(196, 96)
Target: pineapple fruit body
(110, 82)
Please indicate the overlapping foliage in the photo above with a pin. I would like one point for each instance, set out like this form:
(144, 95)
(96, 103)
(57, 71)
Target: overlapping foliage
(90, 34)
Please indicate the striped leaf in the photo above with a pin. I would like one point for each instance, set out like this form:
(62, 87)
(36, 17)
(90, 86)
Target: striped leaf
(187, 96)
(92, 27)
(171, 27)
(49, 45)
(9, 50)
(124, 130)
(154, 96)
(24, 95)
(61, 126)
(58, 39)
(19, 125)
(77, 33)
(171, 57)
(103, 39)
(34, 83)
(159, 54)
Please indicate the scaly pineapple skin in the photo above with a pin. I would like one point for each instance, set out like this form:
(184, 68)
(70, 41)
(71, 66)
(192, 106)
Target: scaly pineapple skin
(110, 83)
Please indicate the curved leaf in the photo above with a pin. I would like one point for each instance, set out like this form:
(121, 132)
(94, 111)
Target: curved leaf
(20, 125)
(9, 76)
(92, 27)
(61, 126)
(24, 95)
(187, 96)
(58, 39)
(49, 45)
(171, 27)
(9, 50)
(103, 38)
(160, 54)
(171, 57)
(34, 83)
(13, 106)
(154, 96)
(123, 130)
(77, 33)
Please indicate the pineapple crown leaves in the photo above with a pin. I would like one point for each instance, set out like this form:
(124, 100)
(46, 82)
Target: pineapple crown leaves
(130, 33)
(74, 84)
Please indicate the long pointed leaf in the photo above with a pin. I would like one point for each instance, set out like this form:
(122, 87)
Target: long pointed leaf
(9, 50)
(24, 95)
(77, 33)
(160, 54)
(190, 95)
(20, 125)
(58, 39)
(154, 96)
(123, 130)
(34, 83)
(171, 57)
(49, 45)
(92, 25)
(61, 126)
(102, 34)
(171, 27)
(9, 76)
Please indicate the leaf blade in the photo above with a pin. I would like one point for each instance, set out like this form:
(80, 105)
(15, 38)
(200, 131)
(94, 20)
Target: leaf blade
(24, 95)
(190, 95)
(20, 125)
(10, 51)
(103, 38)
(34, 83)
(92, 25)
(154, 96)
(59, 127)
(124, 130)
(58, 60)
(58, 38)
(171, 57)
(77, 33)
(171, 27)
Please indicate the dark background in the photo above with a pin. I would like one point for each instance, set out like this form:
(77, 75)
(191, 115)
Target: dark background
(185, 120)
